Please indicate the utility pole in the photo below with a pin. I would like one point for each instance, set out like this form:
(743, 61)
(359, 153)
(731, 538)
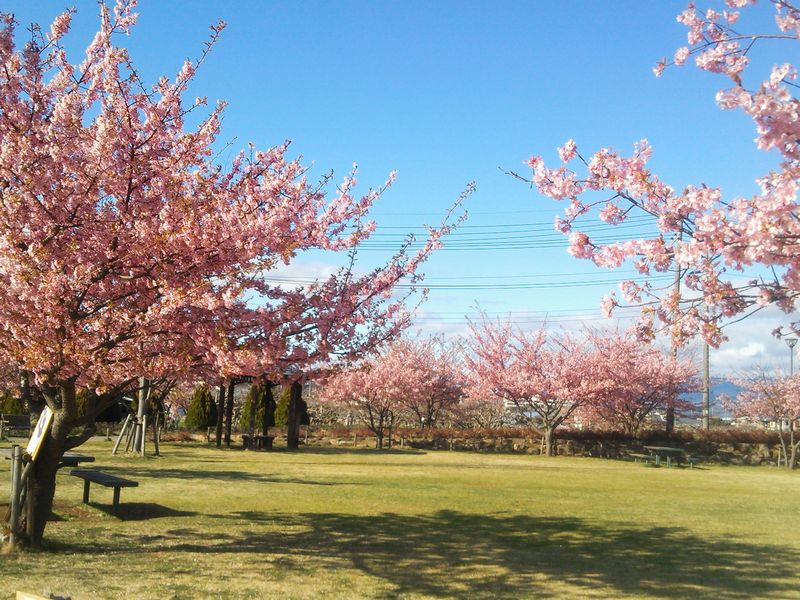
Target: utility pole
(670, 416)
(791, 343)
(706, 388)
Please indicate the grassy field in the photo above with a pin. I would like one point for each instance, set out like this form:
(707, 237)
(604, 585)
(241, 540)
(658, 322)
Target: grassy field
(337, 523)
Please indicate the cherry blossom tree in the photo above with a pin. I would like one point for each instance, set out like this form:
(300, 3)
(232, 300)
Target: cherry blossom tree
(634, 379)
(127, 252)
(704, 236)
(546, 377)
(434, 380)
(417, 377)
(772, 397)
(367, 391)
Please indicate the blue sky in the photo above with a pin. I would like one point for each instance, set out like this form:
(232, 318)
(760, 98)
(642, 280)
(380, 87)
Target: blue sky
(450, 92)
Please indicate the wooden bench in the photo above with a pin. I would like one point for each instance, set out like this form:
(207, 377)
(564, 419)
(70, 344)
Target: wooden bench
(105, 479)
(17, 423)
(261, 442)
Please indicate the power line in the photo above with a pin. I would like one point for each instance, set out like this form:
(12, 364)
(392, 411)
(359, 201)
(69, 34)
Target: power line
(493, 287)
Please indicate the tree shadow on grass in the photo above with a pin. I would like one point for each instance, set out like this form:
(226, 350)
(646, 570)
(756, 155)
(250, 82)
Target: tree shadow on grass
(144, 511)
(453, 554)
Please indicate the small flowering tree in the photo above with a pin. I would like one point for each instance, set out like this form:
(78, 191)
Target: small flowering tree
(774, 398)
(546, 377)
(434, 380)
(634, 379)
(700, 233)
(416, 377)
(370, 392)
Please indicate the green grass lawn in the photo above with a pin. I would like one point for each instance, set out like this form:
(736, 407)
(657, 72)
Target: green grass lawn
(333, 523)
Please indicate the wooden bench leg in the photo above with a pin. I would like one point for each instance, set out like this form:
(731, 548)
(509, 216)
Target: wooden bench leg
(86, 484)
(115, 505)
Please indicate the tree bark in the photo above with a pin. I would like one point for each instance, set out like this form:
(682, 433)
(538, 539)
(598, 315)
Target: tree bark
(293, 422)
(269, 409)
(141, 411)
(669, 420)
(229, 412)
(549, 441)
(220, 411)
(43, 483)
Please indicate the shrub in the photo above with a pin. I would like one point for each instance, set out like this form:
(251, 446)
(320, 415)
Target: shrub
(282, 409)
(202, 412)
(256, 394)
(10, 405)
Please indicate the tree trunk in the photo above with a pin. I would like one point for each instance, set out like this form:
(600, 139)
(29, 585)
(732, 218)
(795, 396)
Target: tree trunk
(43, 484)
(269, 408)
(293, 422)
(549, 441)
(141, 411)
(229, 412)
(379, 439)
(255, 392)
(669, 420)
(220, 411)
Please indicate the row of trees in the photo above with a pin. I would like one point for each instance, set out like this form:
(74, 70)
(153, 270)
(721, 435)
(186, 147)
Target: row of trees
(550, 379)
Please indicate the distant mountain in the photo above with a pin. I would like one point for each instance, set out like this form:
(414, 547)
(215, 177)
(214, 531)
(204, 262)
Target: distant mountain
(719, 387)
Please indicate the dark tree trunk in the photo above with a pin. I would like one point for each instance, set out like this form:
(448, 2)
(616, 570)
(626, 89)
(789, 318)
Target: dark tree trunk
(255, 392)
(229, 413)
(43, 475)
(550, 441)
(25, 394)
(269, 408)
(293, 422)
(669, 425)
(220, 411)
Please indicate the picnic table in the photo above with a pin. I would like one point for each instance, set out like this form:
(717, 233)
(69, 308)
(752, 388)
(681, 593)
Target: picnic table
(665, 452)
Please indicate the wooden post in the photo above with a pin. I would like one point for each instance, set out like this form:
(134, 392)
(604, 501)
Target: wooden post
(131, 434)
(121, 434)
(156, 433)
(16, 472)
(144, 431)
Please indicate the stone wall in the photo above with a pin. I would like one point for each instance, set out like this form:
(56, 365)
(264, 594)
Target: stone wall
(706, 451)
